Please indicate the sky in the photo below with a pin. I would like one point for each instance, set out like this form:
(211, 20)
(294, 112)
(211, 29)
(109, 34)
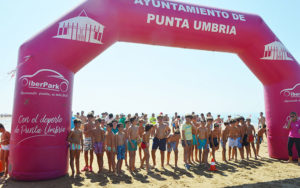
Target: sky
(133, 78)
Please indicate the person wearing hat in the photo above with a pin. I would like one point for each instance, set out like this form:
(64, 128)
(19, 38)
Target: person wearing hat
(187, 138)
(250, 132)
(161, 132)
(87, 143)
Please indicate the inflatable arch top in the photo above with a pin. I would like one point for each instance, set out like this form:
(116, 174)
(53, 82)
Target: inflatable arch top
(47, 64)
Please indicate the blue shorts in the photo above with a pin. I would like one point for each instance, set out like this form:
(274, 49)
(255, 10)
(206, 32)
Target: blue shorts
(194, 140)
(159, 143)
(259, 140)
(132, 148)
(223, 144)
(121, 152)
(239, 144)
(202, 143)
(172, 146)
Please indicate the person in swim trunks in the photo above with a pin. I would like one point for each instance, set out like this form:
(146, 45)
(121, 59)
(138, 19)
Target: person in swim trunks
(194, 132)
(5, 141)
(161, 132)
(87, 143)
(133, 136)
(259, 138)
(202, 143)
(223, 140)
(215, 139)
(98, 143)
(172, 145)
(145, 146)
(245, 142)
(75, 139)
(121, 140)
(250, 132)
(110, 145)
(141, 131)
(187, 139)
(127, 125)
(233, 134)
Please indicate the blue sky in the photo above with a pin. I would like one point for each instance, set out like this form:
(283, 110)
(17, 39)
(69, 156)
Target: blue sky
(142, 78)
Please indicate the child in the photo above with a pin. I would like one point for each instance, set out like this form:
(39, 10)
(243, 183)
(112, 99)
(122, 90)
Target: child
(194, 132)
(98, 142)
(127, 125)
(202, 142)
(187, 140)
(141, 131)
(233, 134)
(215, 139)
(88, 143)
(250, 132)
(145, 146)
(5, 140)
(259, 137)
(132, 143)
(224, 137)
(172, 144)
(110, 144)
(120, 141)
(75, 139)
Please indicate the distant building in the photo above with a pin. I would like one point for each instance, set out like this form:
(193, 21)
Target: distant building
(276, 51)
(81, 28)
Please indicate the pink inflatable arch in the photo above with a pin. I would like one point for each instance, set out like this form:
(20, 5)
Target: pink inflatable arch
(47, 64)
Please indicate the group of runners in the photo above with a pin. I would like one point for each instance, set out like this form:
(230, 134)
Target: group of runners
(120, 137)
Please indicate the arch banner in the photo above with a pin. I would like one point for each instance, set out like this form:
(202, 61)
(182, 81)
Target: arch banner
(47, 64)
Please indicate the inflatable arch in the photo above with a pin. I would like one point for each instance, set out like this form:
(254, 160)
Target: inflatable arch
(47, 64)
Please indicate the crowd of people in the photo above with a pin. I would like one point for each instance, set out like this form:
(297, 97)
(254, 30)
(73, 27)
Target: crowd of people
(120, 137)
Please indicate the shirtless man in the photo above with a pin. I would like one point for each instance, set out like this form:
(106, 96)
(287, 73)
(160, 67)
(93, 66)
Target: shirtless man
(215, 139)
(5, 141)
(224, 138)
(250, 132)
(141, 131)
(88, 144)
(259, 138)
(98, 143)
(233, 134)
(194, 132)
(127, 125)
(133, 136)
(75, 138)
(161, 132)
(261, 120)
(121, 140)
(202, 140)
(110, 145)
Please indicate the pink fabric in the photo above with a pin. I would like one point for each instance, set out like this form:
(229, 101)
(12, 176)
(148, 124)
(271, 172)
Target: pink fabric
(294, 130)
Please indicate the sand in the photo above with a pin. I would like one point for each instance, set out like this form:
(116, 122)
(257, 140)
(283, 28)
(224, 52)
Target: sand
(265, 172)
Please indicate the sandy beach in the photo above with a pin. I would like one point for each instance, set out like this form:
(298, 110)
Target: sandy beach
(265, 172)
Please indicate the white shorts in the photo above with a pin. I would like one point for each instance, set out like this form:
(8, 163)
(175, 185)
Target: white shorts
(232, 142)
(5, 147)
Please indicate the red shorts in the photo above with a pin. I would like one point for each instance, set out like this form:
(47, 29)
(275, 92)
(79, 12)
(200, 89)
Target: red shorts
(143, 145)
(251, 138)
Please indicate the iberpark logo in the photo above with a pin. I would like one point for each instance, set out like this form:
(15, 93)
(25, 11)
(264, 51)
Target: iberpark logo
(81, 28)
(291, 92)
(45, 79)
